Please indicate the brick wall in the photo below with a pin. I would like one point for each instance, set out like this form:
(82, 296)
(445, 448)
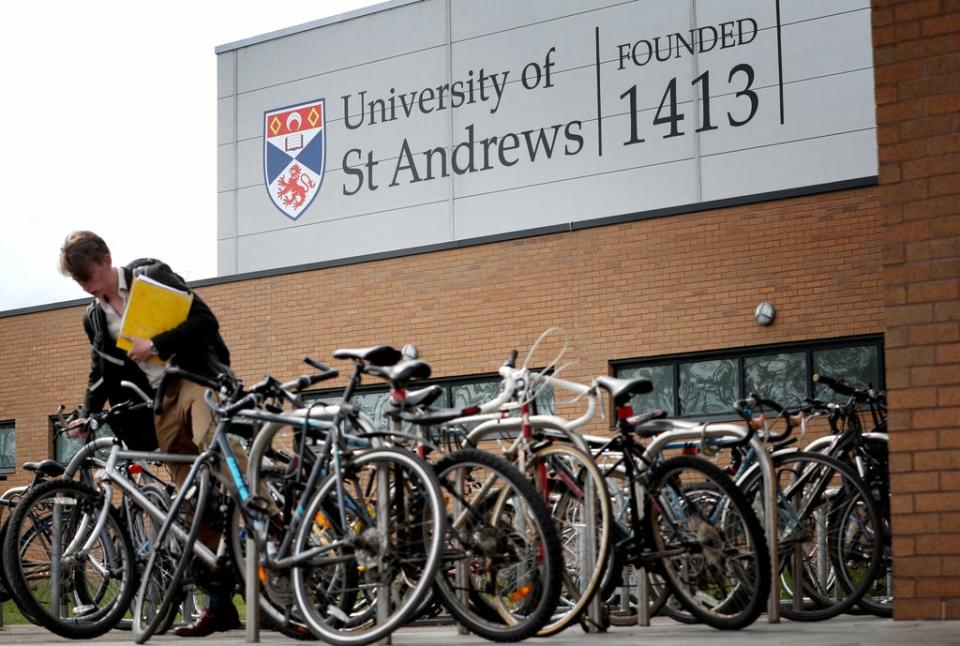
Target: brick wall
(677, 284)
(917, 63)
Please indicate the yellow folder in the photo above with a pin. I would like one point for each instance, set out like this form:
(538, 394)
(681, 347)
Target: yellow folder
(152, 308)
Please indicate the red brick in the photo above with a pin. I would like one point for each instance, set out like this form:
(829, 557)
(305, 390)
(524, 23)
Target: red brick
(913, 483)
(936, 418)
(909, 314)
(938, 587)
(917, 608)
(932, 291)
(927, 126)
(916, 566)
(934, 333)
(912, 397)
(948, 396)
(948, 353)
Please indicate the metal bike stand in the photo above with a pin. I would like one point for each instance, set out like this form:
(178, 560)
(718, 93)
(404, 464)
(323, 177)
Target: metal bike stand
(496, 427)
(252, 634)
(687, 431)
(385, 590)
(460, 573)
(643, 597)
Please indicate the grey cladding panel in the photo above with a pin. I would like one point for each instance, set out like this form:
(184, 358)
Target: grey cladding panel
(651, 105)
(367, 40)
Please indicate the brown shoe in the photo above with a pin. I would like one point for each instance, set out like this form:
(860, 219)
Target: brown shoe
(210, 622)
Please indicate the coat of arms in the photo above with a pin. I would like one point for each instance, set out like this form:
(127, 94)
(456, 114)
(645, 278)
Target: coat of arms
(294, 148)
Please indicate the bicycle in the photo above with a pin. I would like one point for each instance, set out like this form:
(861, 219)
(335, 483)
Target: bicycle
(867, 452)
(364, 517)
(86, 594)
(709, 550)
(830, 536)
(502, 567)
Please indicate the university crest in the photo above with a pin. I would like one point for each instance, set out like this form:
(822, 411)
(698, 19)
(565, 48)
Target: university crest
(294, 149)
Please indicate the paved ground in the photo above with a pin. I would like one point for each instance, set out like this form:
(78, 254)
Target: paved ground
(842, 631)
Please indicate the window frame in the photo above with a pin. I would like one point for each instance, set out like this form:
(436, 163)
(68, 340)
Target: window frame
(12, 425)
(807, 348)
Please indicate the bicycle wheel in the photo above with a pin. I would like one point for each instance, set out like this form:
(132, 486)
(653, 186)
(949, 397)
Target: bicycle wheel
(503, 567)
(380, 534)
(70, 573)
(878, 599)
(574, 483)
(160, 585)
(830, 535)
(710, 551)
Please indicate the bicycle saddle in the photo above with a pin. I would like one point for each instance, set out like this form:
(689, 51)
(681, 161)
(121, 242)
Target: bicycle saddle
(622, 389)
(50, 468)
(378, 355)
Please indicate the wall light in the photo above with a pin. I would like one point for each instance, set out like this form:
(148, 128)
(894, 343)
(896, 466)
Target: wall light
(765, 313)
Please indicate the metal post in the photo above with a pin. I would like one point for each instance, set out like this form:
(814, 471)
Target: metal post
(770, 524)
(384, 589)
(588, 557)
(252, 589)
(55, 558)
(643, 597)
(461, 569)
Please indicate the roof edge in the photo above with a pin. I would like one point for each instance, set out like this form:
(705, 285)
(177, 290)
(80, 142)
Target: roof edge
(322, 22)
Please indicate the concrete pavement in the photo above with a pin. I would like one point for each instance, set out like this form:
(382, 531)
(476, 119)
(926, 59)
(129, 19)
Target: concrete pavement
(842, 631)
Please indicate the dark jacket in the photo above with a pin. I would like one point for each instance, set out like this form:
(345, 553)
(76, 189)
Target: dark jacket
(196, 343)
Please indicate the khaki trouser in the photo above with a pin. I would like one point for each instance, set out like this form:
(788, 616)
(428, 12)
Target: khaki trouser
(187, 425)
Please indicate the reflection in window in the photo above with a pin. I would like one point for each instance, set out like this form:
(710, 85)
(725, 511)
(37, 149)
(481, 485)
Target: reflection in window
(708, 386)
(66, 447)
(710, 382)
(661, 396)
(780, 377)
(372, 405)
(857, 366)
(8, 445)
(477, 392)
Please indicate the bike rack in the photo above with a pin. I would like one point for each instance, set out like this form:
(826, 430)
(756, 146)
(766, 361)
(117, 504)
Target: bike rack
(689, 431)
(261, 443)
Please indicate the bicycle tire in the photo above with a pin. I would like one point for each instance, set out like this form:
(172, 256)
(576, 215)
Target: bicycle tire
(97, 586)
(713, 559)
(800, 533)
(878, 599)
(488, 535)
(568, 471)
(409, 551)
(158, 591)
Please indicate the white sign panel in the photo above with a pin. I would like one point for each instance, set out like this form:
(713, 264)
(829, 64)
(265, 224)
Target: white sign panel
(506, 117)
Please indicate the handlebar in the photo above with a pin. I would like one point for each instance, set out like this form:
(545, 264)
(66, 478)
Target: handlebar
(746, 409)
(837, 386)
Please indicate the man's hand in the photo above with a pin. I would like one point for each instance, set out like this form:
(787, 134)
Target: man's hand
(140, 351)
(78, 429)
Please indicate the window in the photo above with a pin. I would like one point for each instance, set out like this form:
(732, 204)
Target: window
(706, 384)
(8, 445)
(64, 447)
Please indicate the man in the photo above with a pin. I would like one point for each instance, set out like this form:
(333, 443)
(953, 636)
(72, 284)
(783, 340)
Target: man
(186, 423)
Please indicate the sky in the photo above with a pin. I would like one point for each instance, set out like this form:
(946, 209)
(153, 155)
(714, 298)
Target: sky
(109, 118)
